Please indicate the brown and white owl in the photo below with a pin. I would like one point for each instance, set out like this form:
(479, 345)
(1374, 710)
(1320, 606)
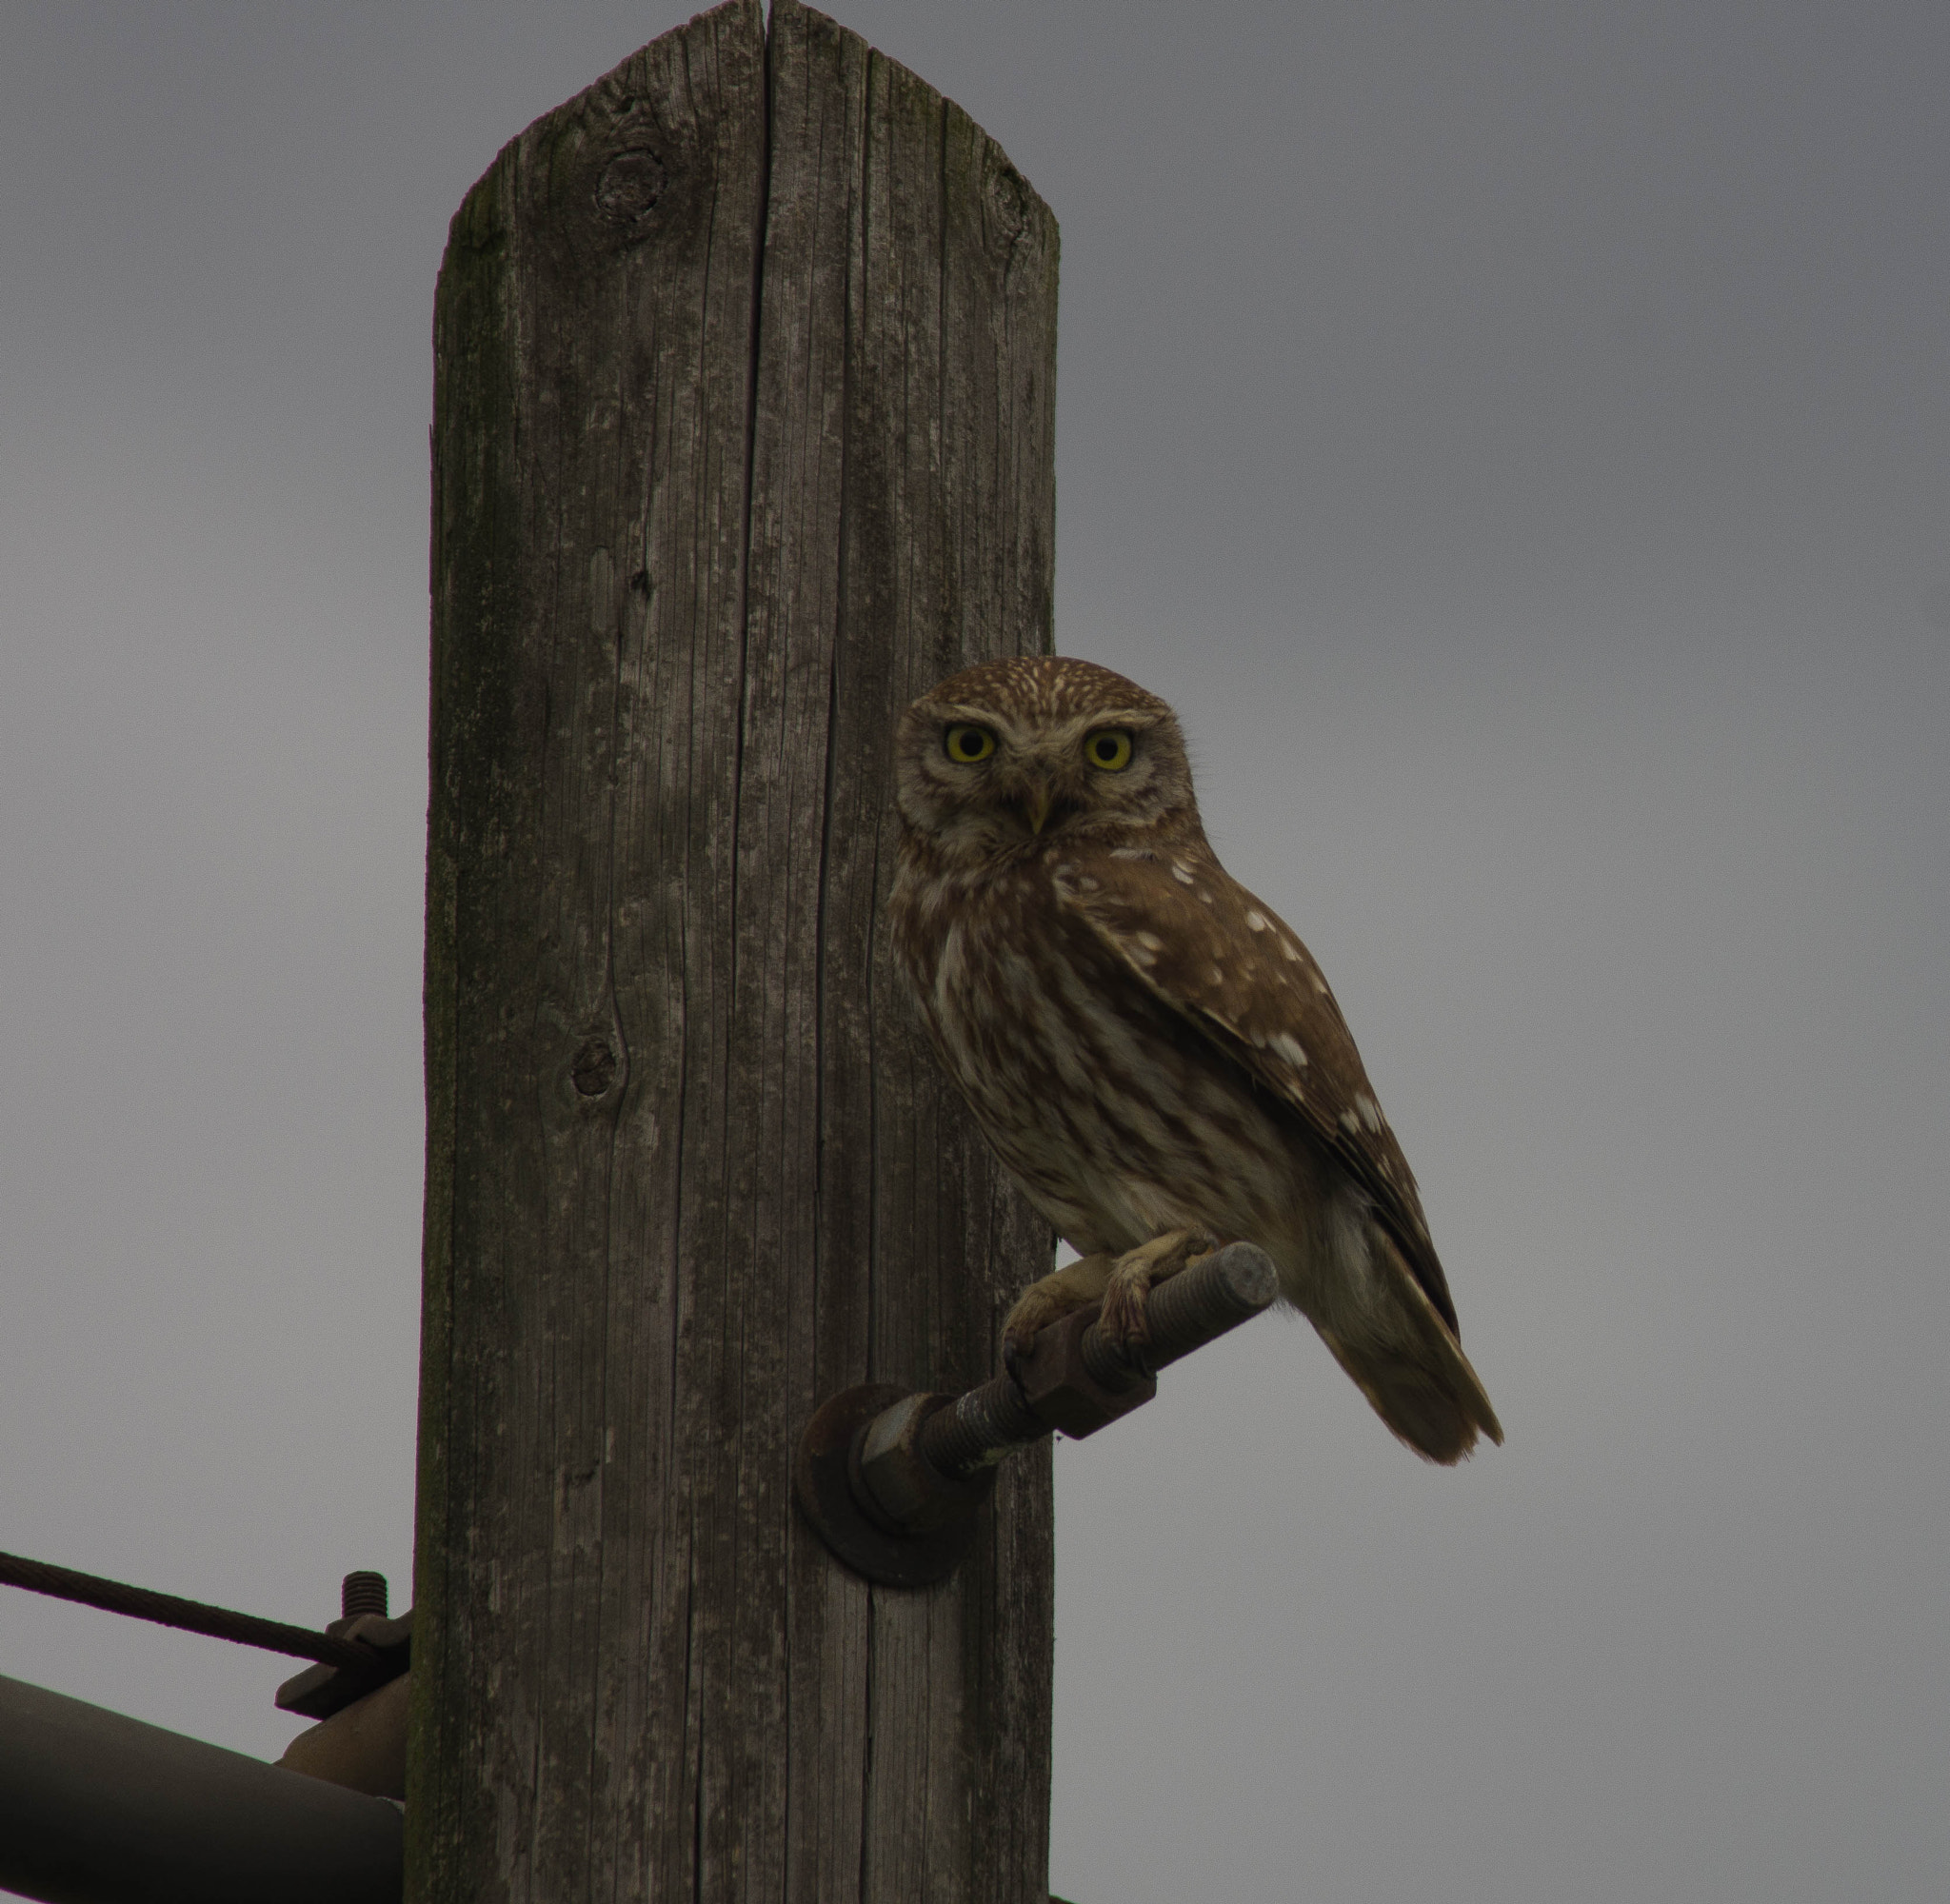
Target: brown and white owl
(1154, 1055)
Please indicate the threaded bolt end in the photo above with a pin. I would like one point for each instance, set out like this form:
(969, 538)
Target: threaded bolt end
(362, 1592)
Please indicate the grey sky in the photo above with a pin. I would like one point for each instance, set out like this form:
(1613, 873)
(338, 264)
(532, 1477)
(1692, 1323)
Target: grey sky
(1514, 435)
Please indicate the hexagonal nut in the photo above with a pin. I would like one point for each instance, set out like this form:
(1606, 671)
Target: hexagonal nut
(1060, 1388)
(896, 1477)
(897, 1484)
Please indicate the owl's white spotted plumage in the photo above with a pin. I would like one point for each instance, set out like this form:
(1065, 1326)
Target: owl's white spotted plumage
(1153, 1054)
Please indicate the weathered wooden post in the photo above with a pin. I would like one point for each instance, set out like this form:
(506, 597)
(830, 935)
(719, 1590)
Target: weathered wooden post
(743, 437)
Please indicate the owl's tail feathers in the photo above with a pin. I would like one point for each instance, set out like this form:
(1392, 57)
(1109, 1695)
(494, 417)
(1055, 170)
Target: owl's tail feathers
(1403, 1357)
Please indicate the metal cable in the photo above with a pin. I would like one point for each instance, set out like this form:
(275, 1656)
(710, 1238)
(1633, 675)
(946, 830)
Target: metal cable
(245, 1629)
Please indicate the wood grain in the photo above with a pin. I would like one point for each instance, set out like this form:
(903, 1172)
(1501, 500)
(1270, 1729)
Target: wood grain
(743, 437)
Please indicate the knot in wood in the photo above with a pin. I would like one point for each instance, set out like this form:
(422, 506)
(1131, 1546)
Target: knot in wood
(630, 185)
(594, 1068)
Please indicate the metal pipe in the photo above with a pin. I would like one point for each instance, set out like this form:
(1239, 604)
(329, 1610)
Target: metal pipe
(97, 1808)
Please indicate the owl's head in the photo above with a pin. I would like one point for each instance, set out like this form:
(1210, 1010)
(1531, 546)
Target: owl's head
(1010, 754)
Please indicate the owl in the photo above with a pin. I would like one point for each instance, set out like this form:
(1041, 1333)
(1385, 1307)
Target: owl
(1153, 1054)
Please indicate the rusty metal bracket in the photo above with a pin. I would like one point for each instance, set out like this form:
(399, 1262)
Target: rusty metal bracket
(386, 1647)
(891, 1481)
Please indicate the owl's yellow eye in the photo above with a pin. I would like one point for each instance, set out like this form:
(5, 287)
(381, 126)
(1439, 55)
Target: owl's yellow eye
(967, 744)
(1110, 749)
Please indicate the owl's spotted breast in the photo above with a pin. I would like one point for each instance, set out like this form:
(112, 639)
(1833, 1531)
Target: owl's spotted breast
(1119, 1120)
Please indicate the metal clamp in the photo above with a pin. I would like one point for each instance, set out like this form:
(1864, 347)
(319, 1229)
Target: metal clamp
(386, 1644)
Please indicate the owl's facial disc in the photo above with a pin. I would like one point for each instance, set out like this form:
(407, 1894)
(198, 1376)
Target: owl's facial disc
(1083, 773)
(994, 774)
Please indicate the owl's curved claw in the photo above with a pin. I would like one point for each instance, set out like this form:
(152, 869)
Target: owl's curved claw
(1074, 1286)
(1125, 1324)
(1121, 1283)
(1126, 1294)
(1125, 1318)
(1036, 1308)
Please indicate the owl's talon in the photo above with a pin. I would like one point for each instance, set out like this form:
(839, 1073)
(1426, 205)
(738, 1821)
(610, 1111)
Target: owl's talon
(1125, 1319)
(1035, 1310)
(1074, 1286)
(1121, 1283)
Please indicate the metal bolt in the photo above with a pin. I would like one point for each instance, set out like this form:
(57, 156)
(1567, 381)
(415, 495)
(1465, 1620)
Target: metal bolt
(891, 1481)
(362, 1592)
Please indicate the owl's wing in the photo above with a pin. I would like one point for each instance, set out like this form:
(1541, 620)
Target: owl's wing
(1205, 947)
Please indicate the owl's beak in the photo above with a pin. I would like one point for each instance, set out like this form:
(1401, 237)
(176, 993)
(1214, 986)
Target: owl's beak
(1037, 806)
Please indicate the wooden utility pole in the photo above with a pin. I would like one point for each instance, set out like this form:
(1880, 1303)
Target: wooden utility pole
(745, 369)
